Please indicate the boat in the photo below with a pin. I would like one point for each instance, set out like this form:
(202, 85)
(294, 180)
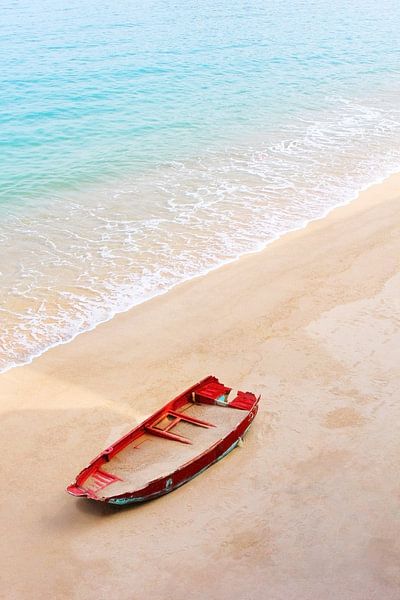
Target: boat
(168, 449)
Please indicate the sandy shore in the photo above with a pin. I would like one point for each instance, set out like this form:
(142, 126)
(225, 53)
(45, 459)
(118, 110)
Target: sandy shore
(308, 509)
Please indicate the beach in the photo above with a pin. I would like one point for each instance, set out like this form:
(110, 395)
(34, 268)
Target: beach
(306, 510)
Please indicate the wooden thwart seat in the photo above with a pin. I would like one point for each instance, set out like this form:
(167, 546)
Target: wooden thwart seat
(164, 432)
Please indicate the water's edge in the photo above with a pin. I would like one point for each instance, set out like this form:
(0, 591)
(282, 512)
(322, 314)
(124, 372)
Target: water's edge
(356, 196)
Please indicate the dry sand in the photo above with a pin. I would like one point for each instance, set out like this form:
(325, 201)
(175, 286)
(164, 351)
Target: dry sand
(308, 509)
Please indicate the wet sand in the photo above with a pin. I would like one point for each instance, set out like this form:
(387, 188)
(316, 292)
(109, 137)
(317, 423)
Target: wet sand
(308, 509)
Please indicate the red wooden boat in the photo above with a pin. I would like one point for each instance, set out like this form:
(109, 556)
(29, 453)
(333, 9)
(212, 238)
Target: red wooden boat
(175, 444)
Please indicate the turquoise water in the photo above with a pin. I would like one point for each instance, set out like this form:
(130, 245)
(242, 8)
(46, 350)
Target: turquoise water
(145, 143)
(91, 90)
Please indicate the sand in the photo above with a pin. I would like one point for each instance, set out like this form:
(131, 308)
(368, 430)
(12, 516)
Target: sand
(307, 509)
(150, 457)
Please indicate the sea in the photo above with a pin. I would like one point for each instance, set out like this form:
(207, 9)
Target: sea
(144, 143)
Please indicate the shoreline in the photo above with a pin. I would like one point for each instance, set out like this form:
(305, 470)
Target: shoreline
(115, 313)
(307, 509)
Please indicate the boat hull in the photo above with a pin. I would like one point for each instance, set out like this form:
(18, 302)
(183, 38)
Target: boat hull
(174, 445)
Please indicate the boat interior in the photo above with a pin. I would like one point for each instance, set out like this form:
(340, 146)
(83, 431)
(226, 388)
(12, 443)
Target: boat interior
(176, 439)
